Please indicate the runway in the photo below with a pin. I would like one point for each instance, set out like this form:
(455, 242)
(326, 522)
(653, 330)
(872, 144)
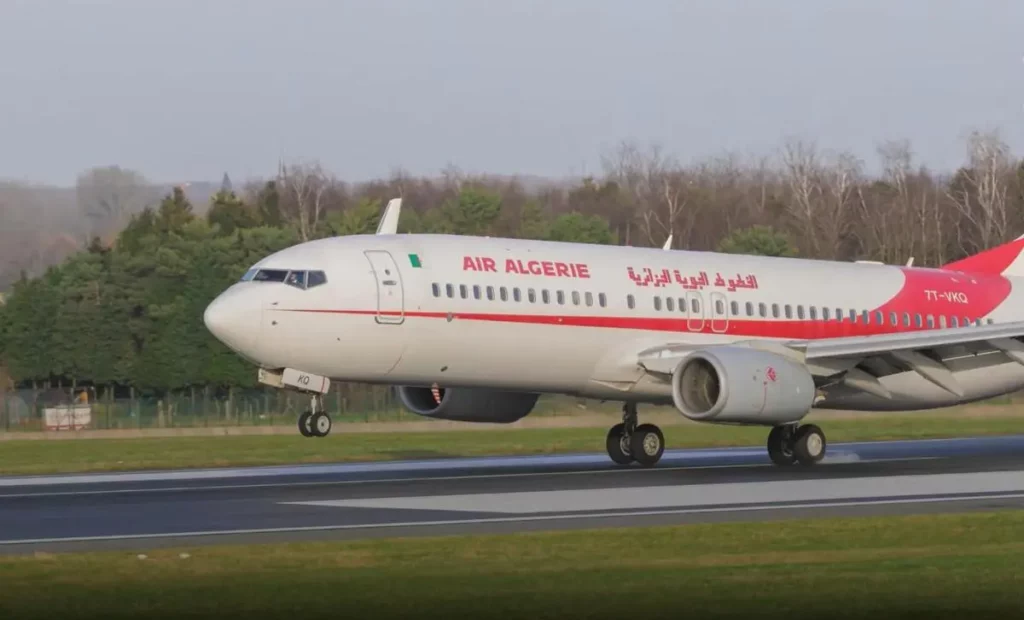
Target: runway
(359, 500)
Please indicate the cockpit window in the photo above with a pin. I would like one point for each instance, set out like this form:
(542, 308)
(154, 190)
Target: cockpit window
(316, 278)
(301, 279)
(296, 279)
(271, 275)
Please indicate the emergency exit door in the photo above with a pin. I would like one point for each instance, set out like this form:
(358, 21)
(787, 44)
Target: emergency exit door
(390, 292)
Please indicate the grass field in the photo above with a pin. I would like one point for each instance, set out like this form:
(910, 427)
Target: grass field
(22, 456)
(945, 566)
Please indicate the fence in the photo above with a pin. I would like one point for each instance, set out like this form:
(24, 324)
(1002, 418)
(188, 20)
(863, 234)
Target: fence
(31, 410)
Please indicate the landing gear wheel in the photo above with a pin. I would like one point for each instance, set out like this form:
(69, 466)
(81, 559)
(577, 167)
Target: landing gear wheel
(809, 445)
(305, 428)
(647, 444)
(617, 444)
(780, 446)
(321, 424)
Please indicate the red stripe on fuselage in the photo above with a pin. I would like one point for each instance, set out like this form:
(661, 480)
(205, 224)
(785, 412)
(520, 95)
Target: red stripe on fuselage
(967, 297)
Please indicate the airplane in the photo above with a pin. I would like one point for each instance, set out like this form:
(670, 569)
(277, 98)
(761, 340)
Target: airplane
(475, 329)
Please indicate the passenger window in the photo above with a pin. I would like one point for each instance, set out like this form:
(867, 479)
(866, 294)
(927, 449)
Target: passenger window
(906, 319)
(865, 317)
(544, 296)
(813, 313)
(954, 321)
(880, 317)
(775, 311)
(630, 301)
(589, 298)
(602, 300)
(503, 293)
(657, 302)
(942, 321)
(560, 296)
(490, 293)
(532, 296)
(990, 321)
(476, 291)
(463, 291)
(839, 314)
(750, 309)
(695, 306)
(316, 278)
(762, 310)
(789, 311)
(917, 320)
(670, 304)
(719, 307)
(450, 290)
(735, 307)
(436, 288)
(824, 314)
(800, 312)
(931, 321)
(516, 295)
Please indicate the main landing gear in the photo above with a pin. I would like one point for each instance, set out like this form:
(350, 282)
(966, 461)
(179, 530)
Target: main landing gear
(315, 422)
(628, 441)
(790, 443)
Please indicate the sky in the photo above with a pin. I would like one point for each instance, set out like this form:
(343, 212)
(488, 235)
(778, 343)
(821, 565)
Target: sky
(185, 90)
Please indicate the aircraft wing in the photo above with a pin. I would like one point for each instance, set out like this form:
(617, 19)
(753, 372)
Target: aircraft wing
(861, 360)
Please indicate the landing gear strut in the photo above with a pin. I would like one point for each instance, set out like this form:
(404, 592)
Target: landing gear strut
(628, 441)
(315, 422)
(790, 443)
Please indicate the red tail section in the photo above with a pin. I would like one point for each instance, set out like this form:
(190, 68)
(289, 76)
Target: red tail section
(1003, 259)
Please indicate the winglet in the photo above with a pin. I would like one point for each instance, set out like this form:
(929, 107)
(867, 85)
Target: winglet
(910, 262)
(668, 243)
(389, 221)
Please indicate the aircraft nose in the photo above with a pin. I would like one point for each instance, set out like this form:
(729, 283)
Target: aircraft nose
(233, 321)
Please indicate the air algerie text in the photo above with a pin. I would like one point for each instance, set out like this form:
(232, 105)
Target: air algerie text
(549, 268)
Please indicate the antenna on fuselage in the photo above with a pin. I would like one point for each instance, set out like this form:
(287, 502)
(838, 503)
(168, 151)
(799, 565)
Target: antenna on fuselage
(668, 243)
(389, 221)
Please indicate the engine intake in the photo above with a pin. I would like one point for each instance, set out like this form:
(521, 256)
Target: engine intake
(468, 404)
(741, 386)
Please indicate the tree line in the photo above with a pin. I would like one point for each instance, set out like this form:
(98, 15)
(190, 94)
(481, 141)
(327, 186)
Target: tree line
(125, 313)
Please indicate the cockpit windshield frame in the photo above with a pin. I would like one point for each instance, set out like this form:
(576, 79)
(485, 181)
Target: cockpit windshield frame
(303, 279)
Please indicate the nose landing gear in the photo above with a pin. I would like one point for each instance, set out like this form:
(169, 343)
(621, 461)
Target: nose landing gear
(627, 441)
(315, 422)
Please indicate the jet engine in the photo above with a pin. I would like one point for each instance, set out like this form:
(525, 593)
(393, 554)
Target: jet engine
(467, 404)
(737, 385)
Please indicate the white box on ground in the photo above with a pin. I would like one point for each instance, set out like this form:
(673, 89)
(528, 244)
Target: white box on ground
(67, 417)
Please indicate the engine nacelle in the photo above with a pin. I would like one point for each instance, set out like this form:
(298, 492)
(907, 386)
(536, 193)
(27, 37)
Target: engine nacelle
(738, 385)
(468, 404)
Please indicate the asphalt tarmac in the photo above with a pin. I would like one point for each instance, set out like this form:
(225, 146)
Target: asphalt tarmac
(476, 495)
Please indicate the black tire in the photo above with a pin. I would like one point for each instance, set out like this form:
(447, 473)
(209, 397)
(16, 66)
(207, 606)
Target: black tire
(647, 444)
(809, 445)
(305, 428)
(618, 449)
(320, 424)
(780, 447)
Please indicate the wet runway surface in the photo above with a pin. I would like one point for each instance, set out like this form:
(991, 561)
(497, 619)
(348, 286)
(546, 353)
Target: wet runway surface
(359, 500)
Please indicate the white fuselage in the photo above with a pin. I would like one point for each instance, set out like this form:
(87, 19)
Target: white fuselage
(572, 318)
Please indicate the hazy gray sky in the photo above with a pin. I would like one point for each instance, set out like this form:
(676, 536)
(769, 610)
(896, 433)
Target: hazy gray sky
(188, 89)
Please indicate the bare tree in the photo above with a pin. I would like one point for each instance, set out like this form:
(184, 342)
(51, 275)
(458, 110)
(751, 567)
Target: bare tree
(304, 185)
(110, 195)
(981, 189)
